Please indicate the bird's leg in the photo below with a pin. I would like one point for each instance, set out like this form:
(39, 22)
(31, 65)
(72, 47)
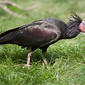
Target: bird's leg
(28, 58)
(44, 60)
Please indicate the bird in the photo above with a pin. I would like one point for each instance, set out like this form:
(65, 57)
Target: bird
(42, 33)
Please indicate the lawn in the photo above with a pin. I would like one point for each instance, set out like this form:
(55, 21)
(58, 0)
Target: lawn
(66, 58)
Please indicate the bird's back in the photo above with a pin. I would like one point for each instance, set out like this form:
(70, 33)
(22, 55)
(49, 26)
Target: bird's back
(37, 34)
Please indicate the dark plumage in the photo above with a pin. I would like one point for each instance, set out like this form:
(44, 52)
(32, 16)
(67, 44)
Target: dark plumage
(42, 33)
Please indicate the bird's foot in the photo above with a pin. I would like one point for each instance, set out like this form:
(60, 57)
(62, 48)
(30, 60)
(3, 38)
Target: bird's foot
(26, 65)
(47, 67)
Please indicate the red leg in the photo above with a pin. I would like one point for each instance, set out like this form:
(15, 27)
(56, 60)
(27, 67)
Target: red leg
(28, 58)
(44, 60)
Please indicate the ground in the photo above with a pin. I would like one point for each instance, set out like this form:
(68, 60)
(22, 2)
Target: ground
(66, 58)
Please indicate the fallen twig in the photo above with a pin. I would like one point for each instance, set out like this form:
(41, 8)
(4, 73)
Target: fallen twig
(5, 8)
(9, 11)
(18, 6)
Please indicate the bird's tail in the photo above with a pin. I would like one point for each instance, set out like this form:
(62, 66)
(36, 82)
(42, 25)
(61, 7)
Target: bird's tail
(7, 37)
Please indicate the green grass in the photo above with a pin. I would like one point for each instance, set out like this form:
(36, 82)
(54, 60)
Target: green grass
(66, 58)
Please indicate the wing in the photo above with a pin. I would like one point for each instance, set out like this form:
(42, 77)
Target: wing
(37, 34)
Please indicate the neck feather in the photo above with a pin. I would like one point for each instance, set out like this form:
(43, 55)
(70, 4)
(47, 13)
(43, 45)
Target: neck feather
(72, 32)
(73, 27)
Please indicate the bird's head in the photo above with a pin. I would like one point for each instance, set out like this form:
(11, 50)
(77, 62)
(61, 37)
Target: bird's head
(74, 26)
(82, 26)
(76, 21)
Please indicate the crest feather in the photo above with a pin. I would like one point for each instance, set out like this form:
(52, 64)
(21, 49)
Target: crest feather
(75, 18)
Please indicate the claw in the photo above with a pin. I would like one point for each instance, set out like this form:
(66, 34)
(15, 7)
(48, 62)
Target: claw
(26, 65)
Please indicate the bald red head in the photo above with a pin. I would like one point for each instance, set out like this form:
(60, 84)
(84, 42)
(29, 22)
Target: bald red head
(82, 26)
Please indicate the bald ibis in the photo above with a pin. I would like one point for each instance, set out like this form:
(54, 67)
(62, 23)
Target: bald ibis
(42, 33)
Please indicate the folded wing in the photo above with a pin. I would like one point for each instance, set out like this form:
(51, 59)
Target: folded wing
(36, 34)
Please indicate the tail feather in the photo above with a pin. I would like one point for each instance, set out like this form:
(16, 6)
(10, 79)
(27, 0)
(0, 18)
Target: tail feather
(7, 36)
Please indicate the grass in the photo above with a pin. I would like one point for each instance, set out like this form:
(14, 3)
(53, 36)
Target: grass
(66, 58)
